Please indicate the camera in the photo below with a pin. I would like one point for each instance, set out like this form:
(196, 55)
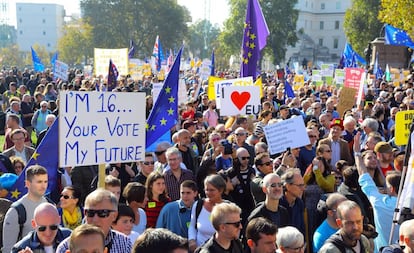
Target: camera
(228, 148)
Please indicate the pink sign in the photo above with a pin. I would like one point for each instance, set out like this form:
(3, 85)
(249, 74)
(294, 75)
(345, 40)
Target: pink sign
(353, 77)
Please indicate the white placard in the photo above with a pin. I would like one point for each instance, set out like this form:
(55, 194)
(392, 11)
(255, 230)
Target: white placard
(103, 55)
(240, 100)
(290, 133)
(218, 85)
(61, 70)
(205, 69)
(156, 88)
(182, 92)
(101, 127)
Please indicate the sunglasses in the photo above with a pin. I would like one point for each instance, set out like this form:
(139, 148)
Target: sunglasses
(51, 227)
(160, 152)
(266, 163)
(240, 134)
(66, 197)
(312, 136)
(148, 163)
(327, 151)
(235, 224)
(101, 213)
(245, 158)
(274, 185)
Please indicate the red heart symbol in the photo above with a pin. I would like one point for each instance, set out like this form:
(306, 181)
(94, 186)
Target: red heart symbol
(240, 100)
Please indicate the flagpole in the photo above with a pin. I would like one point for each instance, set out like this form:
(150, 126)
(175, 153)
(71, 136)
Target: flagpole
(403, 175)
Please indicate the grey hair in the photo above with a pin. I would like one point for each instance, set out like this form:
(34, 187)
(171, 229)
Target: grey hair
(173, 151)
(289, 237)
(220, 213)
(371, 123)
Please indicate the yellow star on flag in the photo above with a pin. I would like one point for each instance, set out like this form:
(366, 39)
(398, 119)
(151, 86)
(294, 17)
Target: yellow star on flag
(153, 128)
(246, 60)
(170, 111)
(249, 54)
(146, 126)
(252, 45)
(15, 194)
(171, 99)
(252, 36)
(163, 122)
(167, 90)
(35, 155)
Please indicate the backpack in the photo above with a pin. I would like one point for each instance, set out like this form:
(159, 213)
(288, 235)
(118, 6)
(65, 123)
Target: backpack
(21, 213)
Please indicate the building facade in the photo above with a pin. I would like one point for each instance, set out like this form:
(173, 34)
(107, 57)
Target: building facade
(320, 31)
(39, 24)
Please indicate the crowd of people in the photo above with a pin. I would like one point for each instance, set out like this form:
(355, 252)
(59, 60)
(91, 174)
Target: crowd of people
(215, 187)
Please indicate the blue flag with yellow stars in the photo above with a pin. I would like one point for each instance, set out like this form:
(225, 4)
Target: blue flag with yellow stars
(37, 62)
(45, 155)
(254, 39)
(164, 114)
(397, 37)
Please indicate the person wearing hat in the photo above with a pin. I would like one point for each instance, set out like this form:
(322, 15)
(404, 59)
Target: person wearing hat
(339, 147)
(284, 112)
(385, 156)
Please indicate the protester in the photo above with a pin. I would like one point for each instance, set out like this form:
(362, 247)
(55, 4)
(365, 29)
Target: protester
(87, 239)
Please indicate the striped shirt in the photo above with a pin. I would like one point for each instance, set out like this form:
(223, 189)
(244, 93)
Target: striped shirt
(173, 185)
(152, 210)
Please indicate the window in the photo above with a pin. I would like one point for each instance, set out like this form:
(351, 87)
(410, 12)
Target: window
(44, 32)
(335, 43)
(48, 44)
(21, 32)
(320, 42)
(321, 25)
(44, 21)
(336, 24)
(20, 21)
(338, 5)
(322, 6)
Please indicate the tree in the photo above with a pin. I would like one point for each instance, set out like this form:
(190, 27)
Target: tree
(75, 46)
(361, 23)
(201, 38)
(398, 13)
(281, 20)
(115, 22)
(9, 57)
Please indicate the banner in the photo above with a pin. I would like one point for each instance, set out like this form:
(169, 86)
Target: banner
(240, 100)
(244, 81)
(403, 122)
(61, 70)
(119, 58)
(101, 127)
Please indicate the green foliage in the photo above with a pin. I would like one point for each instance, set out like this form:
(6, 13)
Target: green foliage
(398, 13)
(10, 56)
(361, 23)
(280, 17)
(201, 37)
(75, 46)
(115, 22)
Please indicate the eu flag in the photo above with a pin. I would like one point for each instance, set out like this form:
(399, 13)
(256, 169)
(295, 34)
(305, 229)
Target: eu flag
(288, 90)
(350, 58)
(397, 37)
(37, 63)
(45, 155)
(112, 76)
(377, 69)
(54, 59)
(254, 39)
(164, 114)
(131, 51)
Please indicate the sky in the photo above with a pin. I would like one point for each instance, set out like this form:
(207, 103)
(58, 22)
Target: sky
(216, 10)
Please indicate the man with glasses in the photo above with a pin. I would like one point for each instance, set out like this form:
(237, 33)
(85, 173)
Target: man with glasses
(47, 233)
(290, 240)
(264, 166)
(161, 162)
(175, 175)
(349, 237)
(36, 183)
(240, 141)
(101, 209)
(18, 136)
(293, 186)
(307, 153)
(270, 208)
(225, 218)
(146, 167)
(328, 226)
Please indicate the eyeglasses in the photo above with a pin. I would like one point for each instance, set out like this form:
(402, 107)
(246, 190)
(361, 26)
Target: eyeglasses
(274, 185)
(297, 248)
(235, 224)
(312, 136)
(340, 178)
(160, 152)
(66, 196)
(245, 158)
(51, 227)
(299, 185)
(148, 163)
(327, 151)
(266, 163)
(104, 213)
(240, 134)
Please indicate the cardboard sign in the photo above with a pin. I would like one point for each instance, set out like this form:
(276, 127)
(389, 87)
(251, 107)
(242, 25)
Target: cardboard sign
(403, 122)
(119, 58)
(240, 100)
(61, 70)
(101, 127)
(346, 100)
(290, 133)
